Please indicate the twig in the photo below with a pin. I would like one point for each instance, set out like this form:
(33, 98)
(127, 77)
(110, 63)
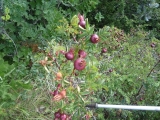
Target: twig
(81, 98)
(148, 76)
(57, 64)
(9, 72)
(47, 77)
(139, 90)
(3, 31)
(153, 68)
(74, 112)
(45, 67)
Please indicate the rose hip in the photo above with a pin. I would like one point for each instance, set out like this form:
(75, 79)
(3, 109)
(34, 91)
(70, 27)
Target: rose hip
(79, 64)
(57, 114)
(54, 93)
(82, 24)
(104, 50)
(94, 38)
(69, 56)
(82, 53)
(63, 116)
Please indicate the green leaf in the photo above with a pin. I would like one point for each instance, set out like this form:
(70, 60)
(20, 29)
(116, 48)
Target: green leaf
(99, 16)
(7, 17)
(6, 10)
(17, 84)
(104, 33)
(3, 18)
(74, 21)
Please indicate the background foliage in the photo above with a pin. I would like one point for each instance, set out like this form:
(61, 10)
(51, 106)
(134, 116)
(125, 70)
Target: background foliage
(126, 14)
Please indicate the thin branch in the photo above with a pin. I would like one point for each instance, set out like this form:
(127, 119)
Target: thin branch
(153, 68)
(3, 31)
(148, 76)
(57, 64)
(139, 90)
(9, 72)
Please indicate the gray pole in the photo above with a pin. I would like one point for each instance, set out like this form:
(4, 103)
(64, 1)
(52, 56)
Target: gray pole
(129, 107)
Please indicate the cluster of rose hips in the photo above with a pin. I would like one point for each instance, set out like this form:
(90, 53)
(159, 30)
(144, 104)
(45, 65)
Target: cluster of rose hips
(57, 94)
(61, 116)
(94, 37)
(79, 63)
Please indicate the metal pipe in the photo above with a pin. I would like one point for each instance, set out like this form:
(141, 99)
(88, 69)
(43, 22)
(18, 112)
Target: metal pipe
(129, 107)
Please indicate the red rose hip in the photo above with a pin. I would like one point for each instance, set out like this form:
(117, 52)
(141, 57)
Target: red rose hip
(79, 64)
(153, 45)
(57, 114)
(69, 56)
(104, 50)
(63, 116)
(82, 53)
(82, 24)
(81, 17)
(94, 38)
(110, 70)
(54, 93)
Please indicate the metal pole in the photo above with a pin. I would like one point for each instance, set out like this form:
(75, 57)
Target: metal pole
(129, 107)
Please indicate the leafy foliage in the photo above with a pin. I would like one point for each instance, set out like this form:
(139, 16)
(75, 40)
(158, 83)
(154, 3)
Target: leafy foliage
(35, 35)
(130, 58)
(126, 14)
(10, 88)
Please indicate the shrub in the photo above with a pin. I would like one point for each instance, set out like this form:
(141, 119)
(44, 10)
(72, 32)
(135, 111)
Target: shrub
(104, 65)
(122, 75)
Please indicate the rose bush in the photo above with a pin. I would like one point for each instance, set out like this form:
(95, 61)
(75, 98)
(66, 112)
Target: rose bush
(71, 63)
(118, 76)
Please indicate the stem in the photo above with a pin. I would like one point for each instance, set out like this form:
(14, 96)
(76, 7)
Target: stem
(81, 98)
(74, 112)
(9, 72)
(73, 72)
(153, 68)
(3, 31)
(74, 38)
(46, 69)
(71, 76)
(57, 64)
(148, 76)
(139, 90)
